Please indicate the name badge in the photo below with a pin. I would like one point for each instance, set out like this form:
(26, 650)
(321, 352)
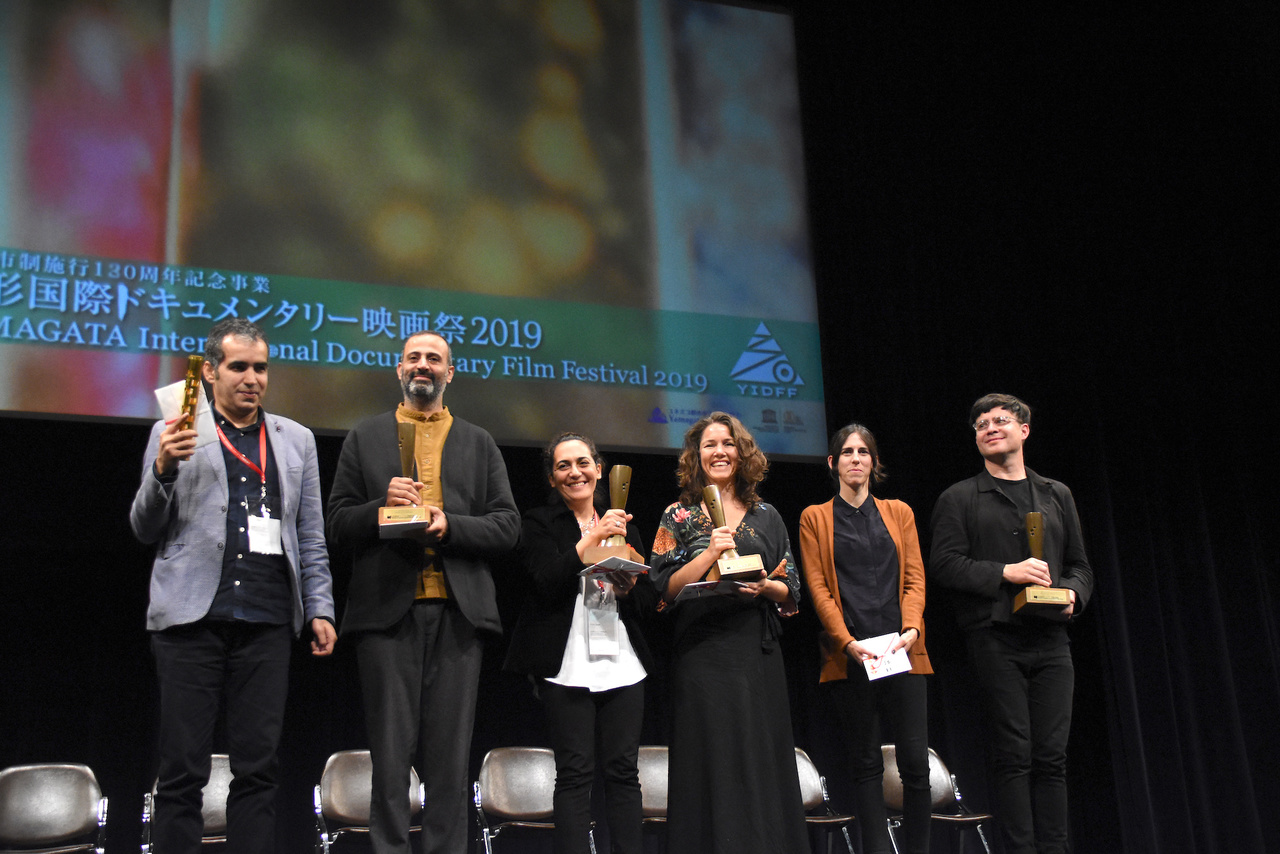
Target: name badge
(264, 536)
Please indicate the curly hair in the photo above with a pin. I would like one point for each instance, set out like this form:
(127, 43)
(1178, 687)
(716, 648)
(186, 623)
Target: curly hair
(752, 463)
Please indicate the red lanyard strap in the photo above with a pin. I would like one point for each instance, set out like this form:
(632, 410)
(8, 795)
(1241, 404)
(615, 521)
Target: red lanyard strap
(262, 452)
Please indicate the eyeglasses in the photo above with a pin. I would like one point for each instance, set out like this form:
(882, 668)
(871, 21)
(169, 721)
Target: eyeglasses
(999, 421)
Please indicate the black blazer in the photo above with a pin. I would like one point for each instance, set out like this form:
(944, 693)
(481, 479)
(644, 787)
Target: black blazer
(977, 530)
(483, 525)
(548, 535)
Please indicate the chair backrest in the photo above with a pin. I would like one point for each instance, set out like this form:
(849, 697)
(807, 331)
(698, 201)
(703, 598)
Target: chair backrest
(810, 781)
(213, 807)
(346, 788)
(518, 783)
(46, 804)
(940, 785)
(215, 792)
(653, 765)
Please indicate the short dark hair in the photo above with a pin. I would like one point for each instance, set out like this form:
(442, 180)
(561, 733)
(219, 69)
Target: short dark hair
(988, 402)
(240, 327)
(842, 435)
(549, 455)
(752, 463)
(448, 348)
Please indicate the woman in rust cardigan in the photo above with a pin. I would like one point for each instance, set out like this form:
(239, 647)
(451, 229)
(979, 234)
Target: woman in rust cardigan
(862, 562)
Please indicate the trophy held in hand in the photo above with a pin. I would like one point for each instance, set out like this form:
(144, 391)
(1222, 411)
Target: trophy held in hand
(1034, 599)
(407, 520)
(731, 566)
(192, 387)
(615, 555)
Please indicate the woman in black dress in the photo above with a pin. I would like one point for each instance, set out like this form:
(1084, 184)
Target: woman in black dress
(579, 640)
(733, 783)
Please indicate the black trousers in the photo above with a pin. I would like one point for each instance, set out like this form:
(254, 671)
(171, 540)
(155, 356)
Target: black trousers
(197, 665)
(584, 724)
(864, 706)
(420, 679)
(1027, 691)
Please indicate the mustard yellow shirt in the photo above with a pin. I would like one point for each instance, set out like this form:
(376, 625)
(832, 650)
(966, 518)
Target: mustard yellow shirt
(431, 431)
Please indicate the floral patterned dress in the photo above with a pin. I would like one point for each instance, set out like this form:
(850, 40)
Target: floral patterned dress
(733, 785)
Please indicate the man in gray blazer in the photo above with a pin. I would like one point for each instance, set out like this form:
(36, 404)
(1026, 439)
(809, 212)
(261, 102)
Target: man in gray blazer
(240, 568)
(418, 607)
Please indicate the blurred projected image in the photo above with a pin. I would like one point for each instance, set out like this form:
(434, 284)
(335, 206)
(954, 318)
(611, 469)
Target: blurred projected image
(599, 203)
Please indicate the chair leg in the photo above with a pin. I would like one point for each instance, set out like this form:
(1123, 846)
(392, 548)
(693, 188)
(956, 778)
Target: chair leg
(322, 830)
(146, 823)
(893, 824)
(100, 844)
(847, 840)
(985, 845)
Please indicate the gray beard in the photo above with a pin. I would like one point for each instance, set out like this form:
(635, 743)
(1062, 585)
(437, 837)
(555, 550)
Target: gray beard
(422, 389)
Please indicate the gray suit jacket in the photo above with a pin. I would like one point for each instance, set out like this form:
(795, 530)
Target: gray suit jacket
(187, 519)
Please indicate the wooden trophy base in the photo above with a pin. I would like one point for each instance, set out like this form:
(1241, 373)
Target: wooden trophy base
(741, 568)
(621, 558)
(406, 521)
(1047, 602)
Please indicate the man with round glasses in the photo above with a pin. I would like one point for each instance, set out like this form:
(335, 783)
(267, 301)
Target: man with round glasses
(981, 551)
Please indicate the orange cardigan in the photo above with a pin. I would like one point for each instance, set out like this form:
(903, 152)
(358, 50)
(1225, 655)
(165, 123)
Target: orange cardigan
(817, 558)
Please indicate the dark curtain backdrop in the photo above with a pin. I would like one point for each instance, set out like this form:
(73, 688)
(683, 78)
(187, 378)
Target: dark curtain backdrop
(1078, 207)
(1075, 207)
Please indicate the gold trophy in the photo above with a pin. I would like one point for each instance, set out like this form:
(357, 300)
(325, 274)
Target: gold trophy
(191, 389)
(616, 554)
(731, 566)
(403, 521)
(1036, 599)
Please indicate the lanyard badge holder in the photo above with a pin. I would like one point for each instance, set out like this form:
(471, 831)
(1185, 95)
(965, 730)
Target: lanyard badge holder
(264, 532)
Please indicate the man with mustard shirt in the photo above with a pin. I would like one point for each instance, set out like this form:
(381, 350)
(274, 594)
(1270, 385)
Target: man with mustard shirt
(419, 607)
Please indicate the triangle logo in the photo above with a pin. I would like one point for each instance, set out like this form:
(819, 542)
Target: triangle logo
(764, 361)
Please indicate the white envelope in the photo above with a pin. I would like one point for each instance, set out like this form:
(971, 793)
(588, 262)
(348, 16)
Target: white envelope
(170, 399)
(889, 663)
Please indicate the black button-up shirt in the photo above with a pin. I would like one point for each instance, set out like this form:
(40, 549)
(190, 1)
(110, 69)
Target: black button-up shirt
(866, 561)
(254, 587)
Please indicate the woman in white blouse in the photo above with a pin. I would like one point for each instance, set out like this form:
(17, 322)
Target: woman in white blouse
(579, 640)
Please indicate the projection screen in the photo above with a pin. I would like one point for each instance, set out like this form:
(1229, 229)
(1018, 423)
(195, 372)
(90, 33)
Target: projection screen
(599, 203)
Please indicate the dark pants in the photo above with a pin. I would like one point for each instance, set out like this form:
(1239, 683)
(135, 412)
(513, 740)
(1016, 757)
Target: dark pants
(420, 679)
(863, 706)
(583, 724)
(1027, 691)
(198, 665)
